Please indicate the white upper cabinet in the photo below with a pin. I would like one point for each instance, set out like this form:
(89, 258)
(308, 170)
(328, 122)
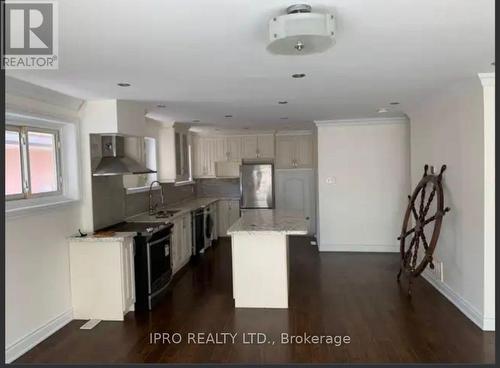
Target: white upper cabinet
(173, 160)
(233, 148)
(207, 150)
(294, 151)
(257, 146)
(265, 146)
(285, 152)
(249, 146)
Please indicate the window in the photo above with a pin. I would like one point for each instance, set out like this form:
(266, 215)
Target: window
(32, 162)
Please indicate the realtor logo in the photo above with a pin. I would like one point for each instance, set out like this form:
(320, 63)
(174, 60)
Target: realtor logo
(29, 37)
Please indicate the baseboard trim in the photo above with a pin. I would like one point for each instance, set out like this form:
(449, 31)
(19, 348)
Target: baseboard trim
(488, 324)
(28, 342)
(485, 324)
(358, 248)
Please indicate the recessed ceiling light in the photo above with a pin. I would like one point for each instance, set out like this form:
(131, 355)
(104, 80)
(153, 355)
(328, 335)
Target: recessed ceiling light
(382, 110)
(161, 106)
(282, 102)
(228, 116)
(284, 118)
(123, 84)
(246, 128)
(298, 75)
(196, 121)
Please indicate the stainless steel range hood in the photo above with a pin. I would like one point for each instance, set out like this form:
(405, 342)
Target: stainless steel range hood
(114, 161)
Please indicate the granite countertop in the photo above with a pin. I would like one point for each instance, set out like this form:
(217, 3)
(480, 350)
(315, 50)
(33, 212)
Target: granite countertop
(276, 221)
(182, 207)
(103, 237)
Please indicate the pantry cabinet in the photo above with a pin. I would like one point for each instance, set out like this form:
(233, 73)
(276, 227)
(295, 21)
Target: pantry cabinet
(228, 213)
(294, 151)
(181, 246)
(295, 192)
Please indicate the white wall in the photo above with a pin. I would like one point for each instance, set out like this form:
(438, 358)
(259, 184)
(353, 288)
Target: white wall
(448, 128)
(37, 290)
(368, 162)
(488, 82)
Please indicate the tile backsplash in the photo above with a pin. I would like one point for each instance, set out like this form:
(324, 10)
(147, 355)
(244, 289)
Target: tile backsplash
(112, 204)
(139, 202)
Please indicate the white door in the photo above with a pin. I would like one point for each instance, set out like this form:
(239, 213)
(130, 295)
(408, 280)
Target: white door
(249, 146)
(265, 146)
(295, 192)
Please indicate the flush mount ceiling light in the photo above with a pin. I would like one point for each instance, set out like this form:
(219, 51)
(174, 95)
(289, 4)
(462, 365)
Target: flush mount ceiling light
(282, 102)
(123, 84)
(161, 106)
(228, 116)
(298, 75)
(301, 32)
(394, 103)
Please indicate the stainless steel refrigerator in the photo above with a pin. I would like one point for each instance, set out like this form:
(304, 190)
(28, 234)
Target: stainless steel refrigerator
(257, 185)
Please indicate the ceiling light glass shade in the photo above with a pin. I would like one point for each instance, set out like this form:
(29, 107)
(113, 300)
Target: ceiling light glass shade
(301, 33)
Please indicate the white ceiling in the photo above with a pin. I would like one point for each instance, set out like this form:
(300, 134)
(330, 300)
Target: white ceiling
(205, 59)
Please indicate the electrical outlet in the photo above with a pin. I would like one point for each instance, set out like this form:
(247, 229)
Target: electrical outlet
(437, 272)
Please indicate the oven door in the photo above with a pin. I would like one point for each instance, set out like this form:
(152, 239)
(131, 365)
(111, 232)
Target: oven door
(159, 269)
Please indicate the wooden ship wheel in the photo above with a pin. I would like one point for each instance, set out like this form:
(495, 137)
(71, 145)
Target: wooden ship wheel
(415, 250)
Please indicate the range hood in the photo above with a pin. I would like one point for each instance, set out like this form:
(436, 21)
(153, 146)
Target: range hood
(114, 161)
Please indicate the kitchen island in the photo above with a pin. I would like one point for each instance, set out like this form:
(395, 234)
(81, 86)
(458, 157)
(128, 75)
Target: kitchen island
(259, 241)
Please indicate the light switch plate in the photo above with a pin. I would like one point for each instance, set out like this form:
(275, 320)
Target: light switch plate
(331, 180)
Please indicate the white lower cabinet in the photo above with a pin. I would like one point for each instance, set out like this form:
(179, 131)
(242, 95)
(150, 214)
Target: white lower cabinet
(181, 247)
(102, 278)
(228, 214)
(215, 218)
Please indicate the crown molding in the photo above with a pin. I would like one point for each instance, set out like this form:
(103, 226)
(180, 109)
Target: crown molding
(366, 121)
(293, 132)
(487, 79)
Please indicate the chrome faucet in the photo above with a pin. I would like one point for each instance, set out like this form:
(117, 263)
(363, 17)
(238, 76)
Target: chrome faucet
(152, 209)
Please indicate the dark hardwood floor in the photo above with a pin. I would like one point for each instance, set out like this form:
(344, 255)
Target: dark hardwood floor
(352, 294)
